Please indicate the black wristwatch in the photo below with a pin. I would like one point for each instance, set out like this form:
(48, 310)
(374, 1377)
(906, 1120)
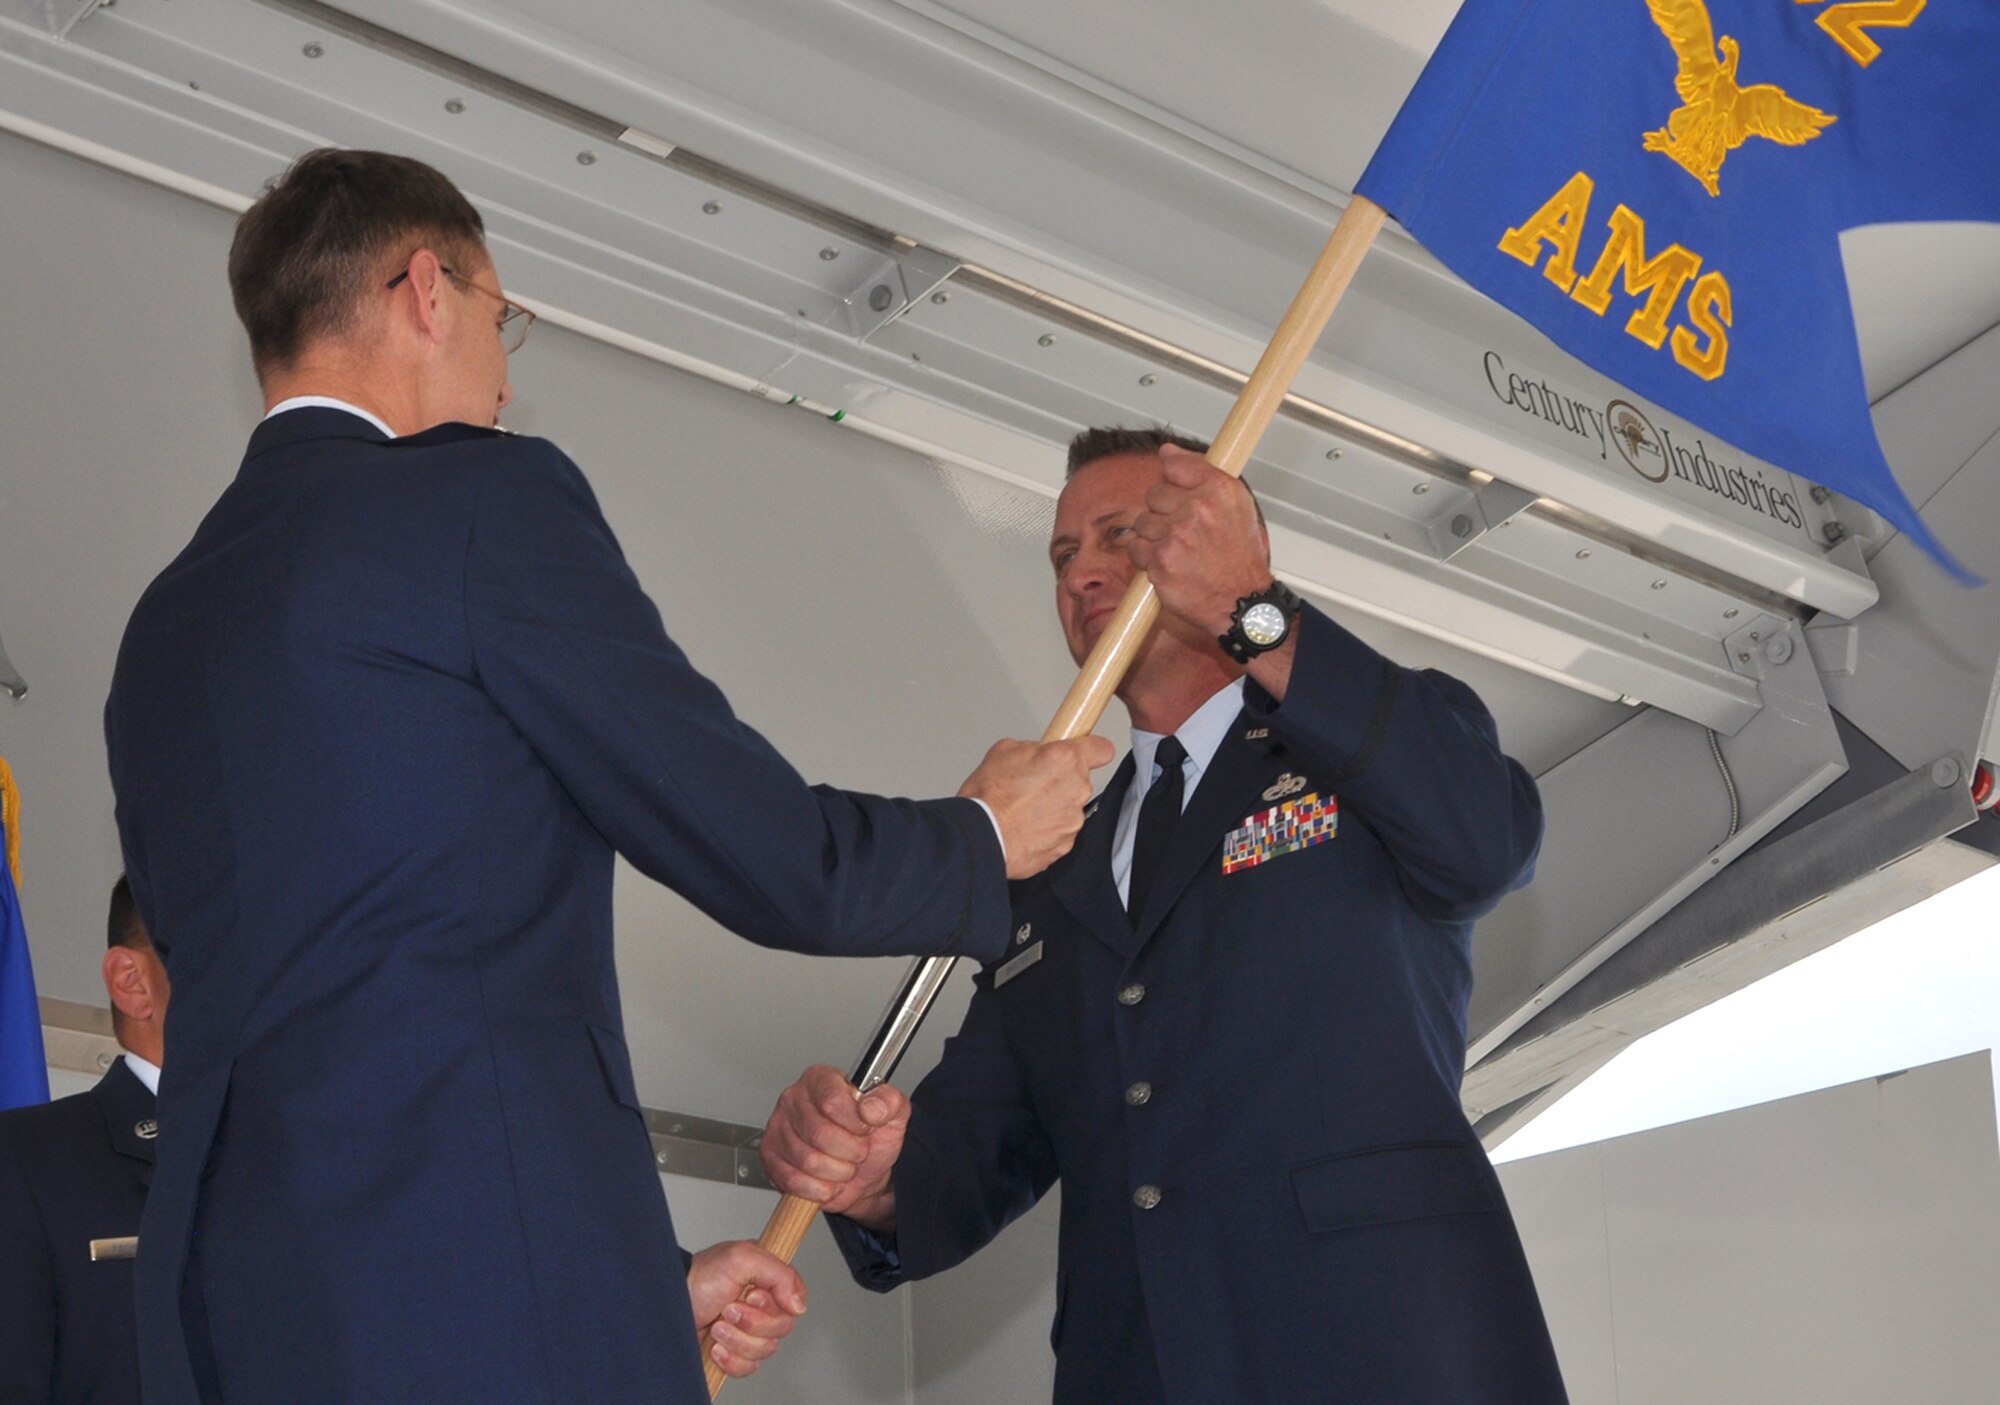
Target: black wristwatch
(1261, 622)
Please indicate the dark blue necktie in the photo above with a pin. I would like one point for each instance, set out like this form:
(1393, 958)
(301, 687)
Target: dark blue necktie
(1158, 813)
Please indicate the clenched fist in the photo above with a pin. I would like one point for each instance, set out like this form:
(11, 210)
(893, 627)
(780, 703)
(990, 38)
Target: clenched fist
(1037, 791)
(825, 1145)
(745, 1299)
(1199, 541)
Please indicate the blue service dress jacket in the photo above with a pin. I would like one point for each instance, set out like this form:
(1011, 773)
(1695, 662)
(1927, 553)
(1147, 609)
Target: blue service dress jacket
(72, 1171)
(1250, 1094)
(376, 735)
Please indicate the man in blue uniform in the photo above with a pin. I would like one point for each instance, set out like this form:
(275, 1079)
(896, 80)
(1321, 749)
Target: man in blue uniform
(72, 1171)
(376, 735)
(1233, 1021)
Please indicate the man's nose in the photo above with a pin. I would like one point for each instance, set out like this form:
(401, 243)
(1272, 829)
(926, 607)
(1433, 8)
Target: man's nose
(1091, 571)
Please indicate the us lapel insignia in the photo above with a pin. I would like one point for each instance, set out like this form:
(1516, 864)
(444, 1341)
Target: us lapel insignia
(1256, 734)
(1287, 784)
(146, 1129)
(1021, 936)
(1282, 829)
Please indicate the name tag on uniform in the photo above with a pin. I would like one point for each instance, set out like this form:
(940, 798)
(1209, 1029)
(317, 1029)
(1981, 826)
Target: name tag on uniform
(1017, 965)
(1282, 829)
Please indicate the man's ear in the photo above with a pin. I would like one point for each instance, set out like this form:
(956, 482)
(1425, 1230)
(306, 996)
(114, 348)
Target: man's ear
(423, 294)
(128, 983)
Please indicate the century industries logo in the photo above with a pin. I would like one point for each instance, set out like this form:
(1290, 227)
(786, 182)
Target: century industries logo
(1638, 443)
(1656, 453)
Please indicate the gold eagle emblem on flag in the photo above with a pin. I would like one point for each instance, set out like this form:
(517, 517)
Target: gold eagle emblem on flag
(1716, 116)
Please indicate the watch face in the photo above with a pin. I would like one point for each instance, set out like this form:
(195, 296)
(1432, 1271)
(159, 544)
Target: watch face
(1263, 623)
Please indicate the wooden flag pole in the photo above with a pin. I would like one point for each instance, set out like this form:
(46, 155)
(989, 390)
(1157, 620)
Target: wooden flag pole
(1102, 672)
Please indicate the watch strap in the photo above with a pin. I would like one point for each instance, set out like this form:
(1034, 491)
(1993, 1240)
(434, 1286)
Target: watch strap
(1238, 645)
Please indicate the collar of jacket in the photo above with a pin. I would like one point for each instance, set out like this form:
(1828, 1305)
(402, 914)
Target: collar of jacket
(313, 422)
(126, 1103)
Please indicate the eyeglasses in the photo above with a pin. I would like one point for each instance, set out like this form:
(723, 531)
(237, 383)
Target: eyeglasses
(515, 320)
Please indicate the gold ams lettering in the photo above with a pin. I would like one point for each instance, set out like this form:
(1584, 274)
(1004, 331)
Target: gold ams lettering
(1658, 280)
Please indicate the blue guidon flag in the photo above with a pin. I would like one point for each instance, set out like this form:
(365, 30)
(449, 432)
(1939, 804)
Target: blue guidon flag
(1660, 186)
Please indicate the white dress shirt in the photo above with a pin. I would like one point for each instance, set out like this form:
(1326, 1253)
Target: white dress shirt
(147, 1073)
(327, 402)
(1201, 734)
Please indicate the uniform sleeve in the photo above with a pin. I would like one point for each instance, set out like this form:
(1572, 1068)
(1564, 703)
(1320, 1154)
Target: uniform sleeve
(572, 650)
(1415, 755)
(27, 1291)
(975, 1159)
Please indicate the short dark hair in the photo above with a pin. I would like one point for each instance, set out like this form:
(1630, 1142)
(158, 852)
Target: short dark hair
(123, 927)
(1103, 441)
(305, 254)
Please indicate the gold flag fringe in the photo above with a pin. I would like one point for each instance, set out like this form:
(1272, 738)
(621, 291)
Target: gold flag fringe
(10, 816)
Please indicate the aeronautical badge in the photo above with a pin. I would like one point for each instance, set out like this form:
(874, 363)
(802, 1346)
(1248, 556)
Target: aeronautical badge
(1282, 829)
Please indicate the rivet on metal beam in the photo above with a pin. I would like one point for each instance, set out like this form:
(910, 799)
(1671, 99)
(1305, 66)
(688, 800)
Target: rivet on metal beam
(829, 254)
(940, 298)
(313, 51)
(712, 207)
(454, 106)
(1046, 339)
(586, 158)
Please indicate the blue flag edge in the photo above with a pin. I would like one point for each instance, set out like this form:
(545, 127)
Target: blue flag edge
(24, 1064)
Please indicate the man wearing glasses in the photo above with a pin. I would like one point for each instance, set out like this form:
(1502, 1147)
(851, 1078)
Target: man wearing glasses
(376, 735)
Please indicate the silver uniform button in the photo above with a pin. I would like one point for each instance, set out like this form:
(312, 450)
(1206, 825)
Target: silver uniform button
(1132, 994)
(1139, 1094)
(1146, 1196)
